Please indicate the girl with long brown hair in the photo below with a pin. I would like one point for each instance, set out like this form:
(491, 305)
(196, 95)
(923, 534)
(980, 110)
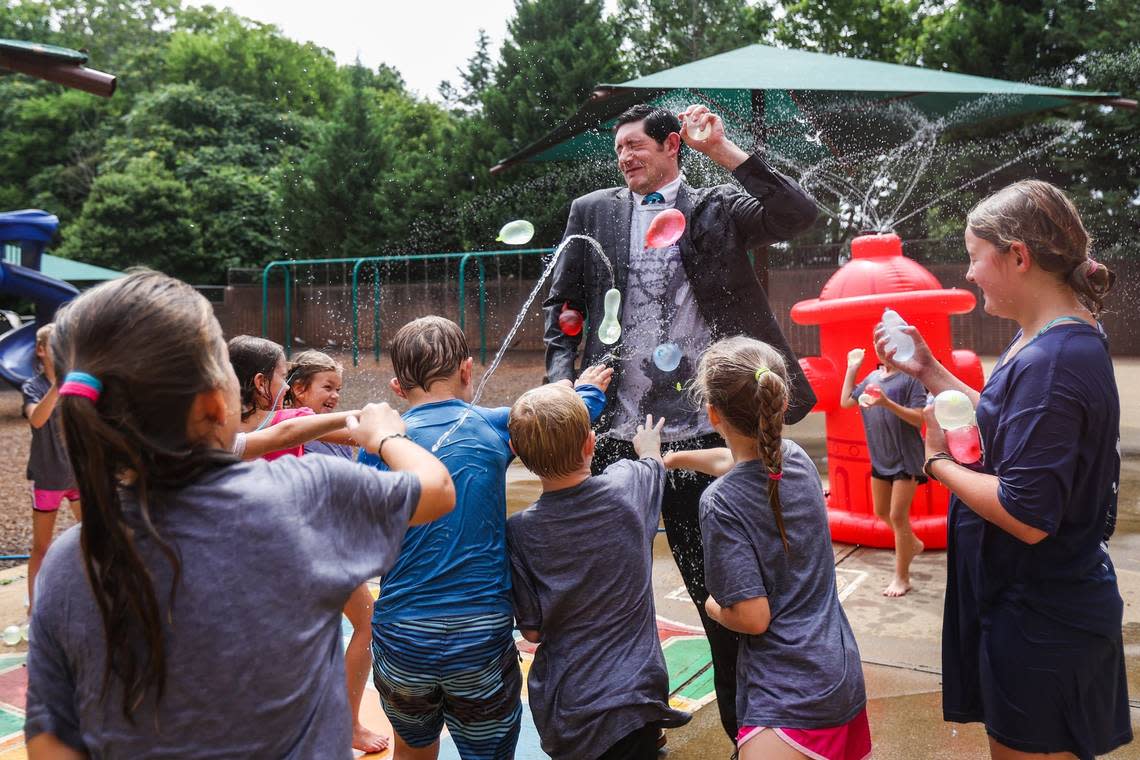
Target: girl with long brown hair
(196, 611)
(1031, 634)
(769, 567)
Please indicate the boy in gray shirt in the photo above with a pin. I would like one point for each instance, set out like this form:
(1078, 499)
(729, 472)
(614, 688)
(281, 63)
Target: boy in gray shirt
(581, 562)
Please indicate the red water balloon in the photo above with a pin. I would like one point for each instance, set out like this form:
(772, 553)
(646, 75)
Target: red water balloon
(570, 320)
(665, 229)
(874, 391)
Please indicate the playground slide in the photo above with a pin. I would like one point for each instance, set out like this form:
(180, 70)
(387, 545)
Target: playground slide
(17, 347)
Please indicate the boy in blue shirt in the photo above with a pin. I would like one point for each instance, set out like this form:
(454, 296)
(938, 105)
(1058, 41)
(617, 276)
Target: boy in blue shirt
(442, 631)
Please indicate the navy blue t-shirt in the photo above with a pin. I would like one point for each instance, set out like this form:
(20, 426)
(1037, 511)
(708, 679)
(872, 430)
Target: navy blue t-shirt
(1050, 426)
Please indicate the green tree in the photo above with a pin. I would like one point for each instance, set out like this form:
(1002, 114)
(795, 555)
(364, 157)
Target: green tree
(140, 216)
(221, 49)
(661, 34)
(877, 30)
(329, 199)
(556, 52)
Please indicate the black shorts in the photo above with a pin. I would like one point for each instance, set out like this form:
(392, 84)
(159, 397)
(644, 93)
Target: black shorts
(898, 476)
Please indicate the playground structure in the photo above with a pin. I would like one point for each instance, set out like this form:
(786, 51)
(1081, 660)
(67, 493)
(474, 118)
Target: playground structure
(25, 234)
(362, 267)
(847, 310)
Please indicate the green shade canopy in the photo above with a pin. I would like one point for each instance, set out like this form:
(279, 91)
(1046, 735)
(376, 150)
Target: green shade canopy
(805, 104)
(75, 271)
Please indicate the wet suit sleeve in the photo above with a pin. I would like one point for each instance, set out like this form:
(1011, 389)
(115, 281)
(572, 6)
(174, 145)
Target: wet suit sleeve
(774, 207)
(566, 286)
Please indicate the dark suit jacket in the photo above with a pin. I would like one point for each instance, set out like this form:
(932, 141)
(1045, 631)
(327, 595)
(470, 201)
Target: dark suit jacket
(723, 224)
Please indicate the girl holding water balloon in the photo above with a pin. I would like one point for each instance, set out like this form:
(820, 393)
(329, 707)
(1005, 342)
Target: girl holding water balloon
(891, 404)
(1031, 633)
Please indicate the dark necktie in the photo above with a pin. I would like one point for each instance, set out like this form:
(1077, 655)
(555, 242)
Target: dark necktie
(652, 198)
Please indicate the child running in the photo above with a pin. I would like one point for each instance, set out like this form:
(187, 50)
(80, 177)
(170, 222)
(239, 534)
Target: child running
(443, 643)
(48, 467)
(769, 568)
(892, 419)
(206, 621)
(315, 382)
(581, 561)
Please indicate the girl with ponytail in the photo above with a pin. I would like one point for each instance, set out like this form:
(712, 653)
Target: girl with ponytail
(1031, 634)
(769, 567)
(196, 612)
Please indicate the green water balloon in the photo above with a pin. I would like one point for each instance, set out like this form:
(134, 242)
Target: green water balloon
(518, 232)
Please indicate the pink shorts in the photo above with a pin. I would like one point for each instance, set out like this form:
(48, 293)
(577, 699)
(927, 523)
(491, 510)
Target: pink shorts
(851, 741)
(49, 501)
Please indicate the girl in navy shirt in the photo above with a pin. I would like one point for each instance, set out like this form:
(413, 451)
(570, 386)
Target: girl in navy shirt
(1031, 638)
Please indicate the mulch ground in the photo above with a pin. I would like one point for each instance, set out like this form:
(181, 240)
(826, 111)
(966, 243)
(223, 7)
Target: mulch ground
(368, 382)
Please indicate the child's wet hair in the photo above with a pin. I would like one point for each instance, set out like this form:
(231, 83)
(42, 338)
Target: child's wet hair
(549, 427)
(252, 356)
(746, 381)
(1044, 219)
(427, 350)
(154, 345)
(302, 370)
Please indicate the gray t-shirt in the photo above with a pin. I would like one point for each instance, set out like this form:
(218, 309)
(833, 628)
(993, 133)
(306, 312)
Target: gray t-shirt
(581, 561)
(804, 671)
(49, 469)
(270, 553)
(331, 449)
(895, 446)
(658, 307)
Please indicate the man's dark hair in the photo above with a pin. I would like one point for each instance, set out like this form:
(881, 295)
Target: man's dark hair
(659, 123)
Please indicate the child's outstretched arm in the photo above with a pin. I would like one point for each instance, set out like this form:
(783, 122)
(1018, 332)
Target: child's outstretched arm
(647, 439)
(39, 412)
(854, 361)
(715, 462)
(380, 430)
(907, 414)
(297, 431)
(751, 616)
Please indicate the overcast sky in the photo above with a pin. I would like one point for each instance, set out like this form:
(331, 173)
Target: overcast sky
(427, 40)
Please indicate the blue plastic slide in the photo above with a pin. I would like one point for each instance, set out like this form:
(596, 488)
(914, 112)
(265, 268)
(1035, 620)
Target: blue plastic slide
(17, 347)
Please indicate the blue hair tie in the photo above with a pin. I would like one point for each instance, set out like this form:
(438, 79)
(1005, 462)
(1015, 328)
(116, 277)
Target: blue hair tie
(81, 384)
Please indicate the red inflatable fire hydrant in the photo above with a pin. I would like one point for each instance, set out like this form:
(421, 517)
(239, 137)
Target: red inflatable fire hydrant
(847, 310)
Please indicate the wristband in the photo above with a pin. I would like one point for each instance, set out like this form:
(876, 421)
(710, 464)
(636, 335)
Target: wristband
(940, 455)
(380, 448)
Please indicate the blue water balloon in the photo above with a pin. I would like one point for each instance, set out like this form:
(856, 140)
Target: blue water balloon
(667, 357)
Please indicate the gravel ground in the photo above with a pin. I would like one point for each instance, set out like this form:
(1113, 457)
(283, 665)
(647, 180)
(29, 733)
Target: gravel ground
(368, 382)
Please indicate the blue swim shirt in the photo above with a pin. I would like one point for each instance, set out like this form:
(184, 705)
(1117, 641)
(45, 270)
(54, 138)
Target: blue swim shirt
(458, 565)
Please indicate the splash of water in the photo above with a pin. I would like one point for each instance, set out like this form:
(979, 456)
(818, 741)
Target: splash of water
(593, 245)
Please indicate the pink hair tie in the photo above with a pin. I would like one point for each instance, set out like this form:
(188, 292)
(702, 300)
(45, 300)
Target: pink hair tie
(1093, 267)
(81, 384)
(775, 476)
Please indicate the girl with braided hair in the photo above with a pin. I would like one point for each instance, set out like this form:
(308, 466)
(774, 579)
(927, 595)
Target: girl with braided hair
(769, 567)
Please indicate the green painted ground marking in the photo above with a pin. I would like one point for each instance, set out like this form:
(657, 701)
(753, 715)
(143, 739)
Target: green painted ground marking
(685, 659)
(10, 722)
(701, 686)
(12, 660)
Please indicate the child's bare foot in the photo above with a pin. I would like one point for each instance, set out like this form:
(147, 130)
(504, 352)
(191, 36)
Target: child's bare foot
(367, 740)
(918, 547)
(897, 587)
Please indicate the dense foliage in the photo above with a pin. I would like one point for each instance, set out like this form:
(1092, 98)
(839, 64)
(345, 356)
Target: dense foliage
(230, 145)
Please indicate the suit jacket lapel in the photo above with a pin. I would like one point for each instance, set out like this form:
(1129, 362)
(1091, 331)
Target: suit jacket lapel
(621, 219)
